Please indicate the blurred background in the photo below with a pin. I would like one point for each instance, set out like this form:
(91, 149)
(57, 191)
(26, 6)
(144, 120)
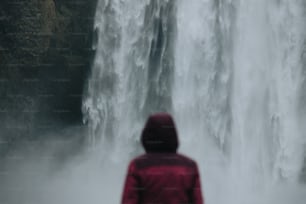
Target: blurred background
(78, 78)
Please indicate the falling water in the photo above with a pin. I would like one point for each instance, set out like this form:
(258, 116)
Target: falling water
(232, 74)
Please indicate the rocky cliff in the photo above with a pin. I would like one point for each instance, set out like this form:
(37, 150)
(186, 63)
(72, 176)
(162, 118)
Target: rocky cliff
(45, 54)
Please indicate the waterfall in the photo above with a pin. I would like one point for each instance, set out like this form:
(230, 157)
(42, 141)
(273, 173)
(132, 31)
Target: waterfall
(232, 74)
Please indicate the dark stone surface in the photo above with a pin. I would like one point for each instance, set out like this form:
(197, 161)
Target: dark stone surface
(45, 54)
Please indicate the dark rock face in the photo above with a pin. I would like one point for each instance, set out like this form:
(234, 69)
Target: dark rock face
(45, 54)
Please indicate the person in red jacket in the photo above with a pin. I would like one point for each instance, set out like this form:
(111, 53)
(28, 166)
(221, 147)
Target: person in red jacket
(161, 175)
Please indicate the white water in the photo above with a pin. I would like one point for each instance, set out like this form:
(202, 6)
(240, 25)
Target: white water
(231, 73)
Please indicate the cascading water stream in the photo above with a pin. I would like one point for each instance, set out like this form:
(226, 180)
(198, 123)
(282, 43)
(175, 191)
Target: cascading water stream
(133, 66)
(231, 73)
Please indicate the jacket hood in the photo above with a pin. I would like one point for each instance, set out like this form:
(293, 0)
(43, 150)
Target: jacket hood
(159, 134)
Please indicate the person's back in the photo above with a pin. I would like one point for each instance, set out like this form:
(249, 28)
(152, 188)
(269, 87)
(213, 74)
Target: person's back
(161, 176)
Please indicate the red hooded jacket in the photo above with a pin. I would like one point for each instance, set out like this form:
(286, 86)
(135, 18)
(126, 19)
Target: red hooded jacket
(161, 176)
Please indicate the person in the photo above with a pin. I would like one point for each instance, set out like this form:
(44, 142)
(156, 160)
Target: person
(161, 175)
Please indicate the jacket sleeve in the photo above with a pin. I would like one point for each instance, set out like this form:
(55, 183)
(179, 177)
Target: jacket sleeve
(131, 186)
(196, 191)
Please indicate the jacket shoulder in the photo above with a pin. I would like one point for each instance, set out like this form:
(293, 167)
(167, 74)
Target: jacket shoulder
(133, 163)
(139, 158)
(150, 160)
(187, 159)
